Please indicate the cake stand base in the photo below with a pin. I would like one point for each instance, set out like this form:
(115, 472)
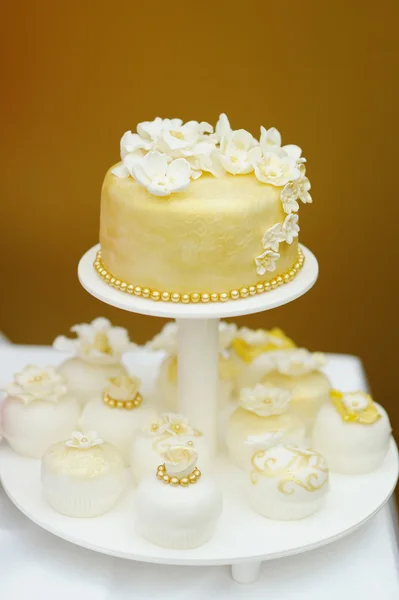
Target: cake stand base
(244, 539)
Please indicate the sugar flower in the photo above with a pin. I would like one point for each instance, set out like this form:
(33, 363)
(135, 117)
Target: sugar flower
(238, 152)
(37, 383)
(290, 228)
(272, 238)
(160, 177)
(276, 168)
(179, 459)
(266, 261)
(265, 399)
(299, 362)
(84, 441)
(122, 388)
(296, 190)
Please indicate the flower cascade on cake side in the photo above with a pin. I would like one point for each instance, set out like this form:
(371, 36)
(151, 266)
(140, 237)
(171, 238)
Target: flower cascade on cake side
(352, 432)
(166, 385)
(150, 441)
(98, 348)
(300, 372)
(254, 351)
(177, 507)
(38, 410)
(263, 409)
(239, 231)
(118, 413)
(285, 481)
(83, 476)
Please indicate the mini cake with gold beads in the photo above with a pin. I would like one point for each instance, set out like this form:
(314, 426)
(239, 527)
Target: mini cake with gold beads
(118, 413)
(178, 506)
(83, 476)
(300, 372)
(194, 213)
(150, 441)
(263, 409)
(352, 432)
(38, 410)
(98, 349)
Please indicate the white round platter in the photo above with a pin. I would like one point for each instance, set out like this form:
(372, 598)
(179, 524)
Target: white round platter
(302, 283)
(243, 539)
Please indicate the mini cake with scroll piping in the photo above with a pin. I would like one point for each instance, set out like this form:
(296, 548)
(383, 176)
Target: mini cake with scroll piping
(353, 432)
(38, 411)
(118, 413)
(166, 385)
(286, 482)
(178, 506)
(197, 214)
(254, 353)
(83, 476)
(299, 371)
(263, 409)
(149, 443)
(98, 349)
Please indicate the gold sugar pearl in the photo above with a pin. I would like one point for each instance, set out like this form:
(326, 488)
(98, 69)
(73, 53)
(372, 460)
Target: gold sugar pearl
(192, 478)
(268, 287)
(130, 289)
(111, 403)
(223, 297)
(146, 293)
(244, 292)
(260, 288)
(175, 297)
(280, 280)
(165, 296)
(286, 278)
(190, 443)
(174, 481)
(123, 286)
(197, 472)
(234, 294)
(155, 296)
(166, 479)
(215, 297)
(205, 298)
(273, 283)
(185, 298)
(129, 405)
(195, 297)
(252, 290)
(154, 426)
(138, 290)
(184, 481)
(120, 404)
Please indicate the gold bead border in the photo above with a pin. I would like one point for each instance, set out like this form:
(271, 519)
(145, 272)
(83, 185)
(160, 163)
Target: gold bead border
(126, 404)
(163, 476)
(195, 297)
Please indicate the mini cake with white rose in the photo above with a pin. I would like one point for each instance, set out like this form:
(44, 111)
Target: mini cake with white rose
(97, 349)
(221, 204)
(254, 351)
(300, 372)
(166, 384)
(178, 506)
(353, 432)
(118, 413)
(263, 409)
(149, 443)
(83, 476)
(38, 410)
(285, 482)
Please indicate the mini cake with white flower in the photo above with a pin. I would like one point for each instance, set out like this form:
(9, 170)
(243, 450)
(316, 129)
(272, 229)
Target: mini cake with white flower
(300, 372)
(353, 432)
(254, 352)
(166, 386)
(38, 410)
(83, 476)
(286, 482)
(150, 441)
(178, 506)
(263, 409)
(118, 413)
(98, 349)
(197, 214)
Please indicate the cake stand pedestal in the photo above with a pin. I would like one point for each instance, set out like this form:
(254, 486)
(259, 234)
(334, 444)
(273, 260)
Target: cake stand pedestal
(198, 333)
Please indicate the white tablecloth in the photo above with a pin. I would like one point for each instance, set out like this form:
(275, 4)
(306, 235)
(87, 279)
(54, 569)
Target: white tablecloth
(36, 564)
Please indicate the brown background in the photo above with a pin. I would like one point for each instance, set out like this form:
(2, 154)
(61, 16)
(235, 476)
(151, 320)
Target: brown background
(78, 74)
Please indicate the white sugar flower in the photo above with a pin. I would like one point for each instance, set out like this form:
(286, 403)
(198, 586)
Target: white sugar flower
(174, 424)
(265, 441)
(299, 362)
(296, 190)
(266, 261)
(96, 342)
(179, 459)
(276, 168)
(123, 387)
(265, 399)
(269, 138)
(273, 237)
(238, 152)
(159, 177)
(205, 157)
(37, 383)
(179, 140)
(223, 128)
(152, 130)
(84, 441)
(290, 228)
(131, 142)
(275, 338)
(356, 402)
(166, 339)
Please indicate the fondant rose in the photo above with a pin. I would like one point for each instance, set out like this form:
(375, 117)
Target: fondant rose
(37, 383)
(123, 388)
(179, 459)
(265, 400)
(83, 441)
(96, 342)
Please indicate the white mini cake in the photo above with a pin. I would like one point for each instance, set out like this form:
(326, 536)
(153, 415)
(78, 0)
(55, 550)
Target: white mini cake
(176, 506)
(253, 351)
(263, 409)
(98, 350)
(286, 482)
(299, 372)
(118, 413)
(149, 443)
(166, 385)
(352, 432)
(84, 476)
(38, 411)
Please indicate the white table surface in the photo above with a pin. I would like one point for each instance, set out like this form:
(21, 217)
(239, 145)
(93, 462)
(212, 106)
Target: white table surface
(34, 563)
